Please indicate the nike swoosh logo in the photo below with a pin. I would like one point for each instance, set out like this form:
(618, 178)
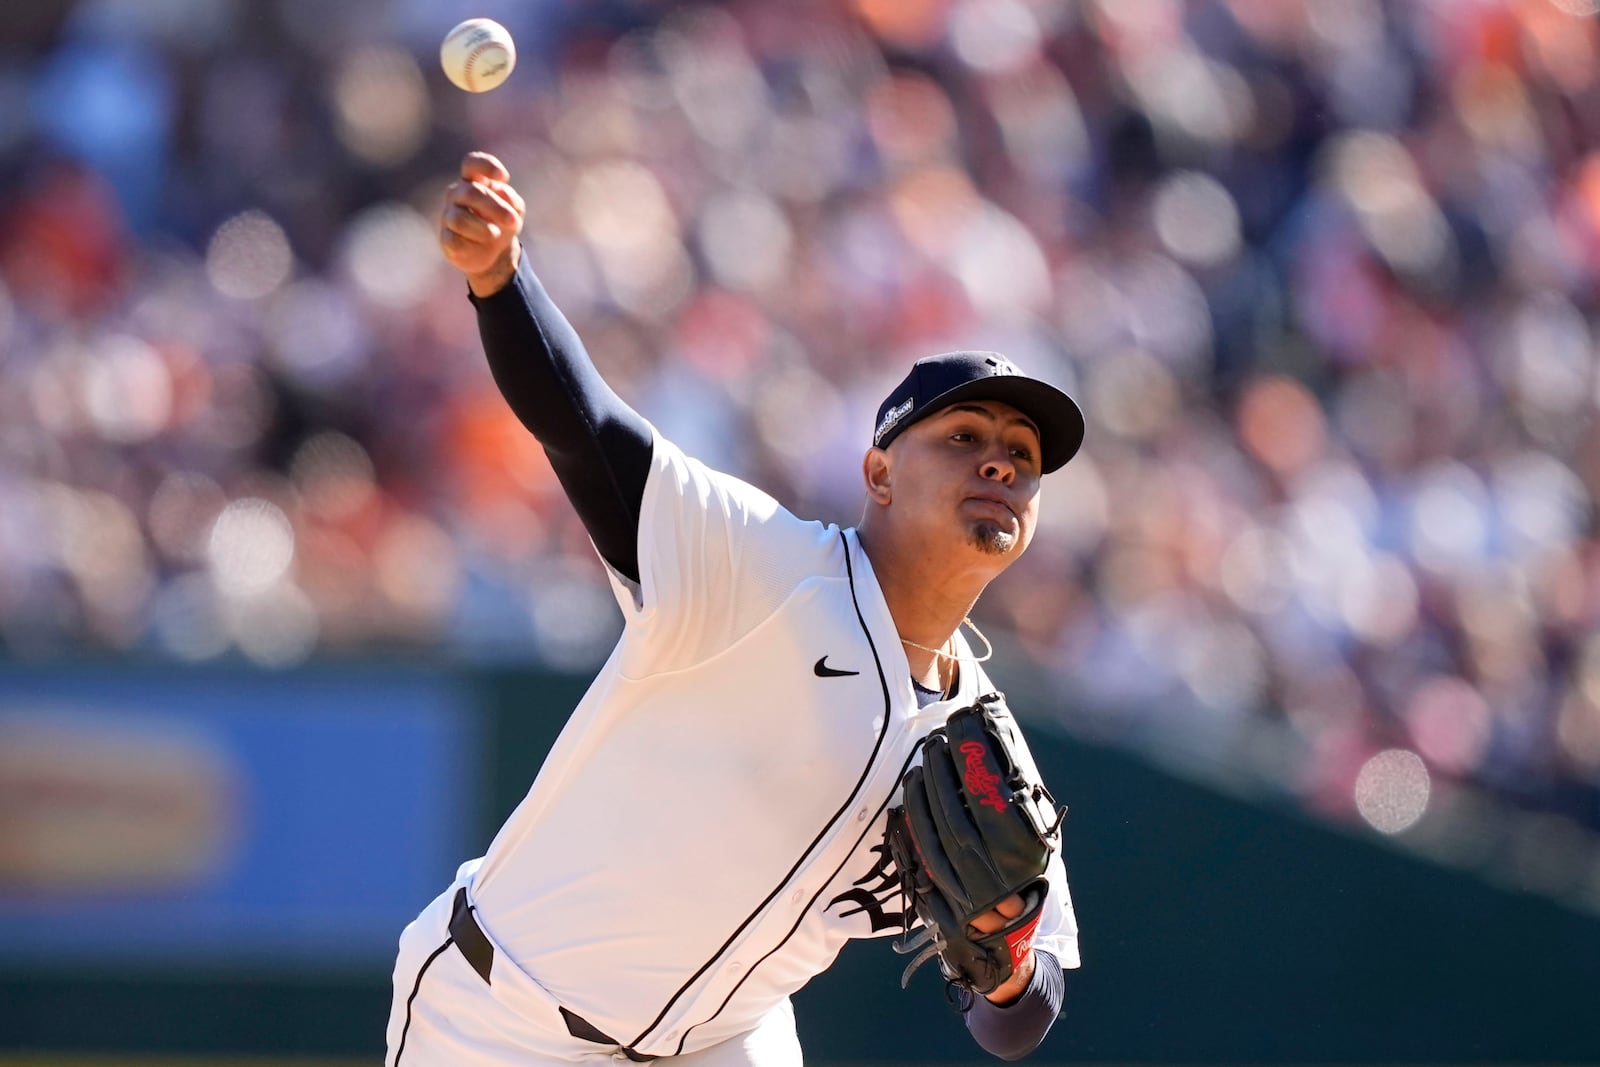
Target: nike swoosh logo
(822, 670)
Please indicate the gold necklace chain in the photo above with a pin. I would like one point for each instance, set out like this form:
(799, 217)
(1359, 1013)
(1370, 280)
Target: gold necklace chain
(988, 647)
(954, 658)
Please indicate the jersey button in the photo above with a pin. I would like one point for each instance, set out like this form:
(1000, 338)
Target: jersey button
(799, 895)
(861, 816)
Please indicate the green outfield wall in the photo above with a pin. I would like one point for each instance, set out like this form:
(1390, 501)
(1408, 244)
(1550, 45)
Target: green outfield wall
(1215, 930)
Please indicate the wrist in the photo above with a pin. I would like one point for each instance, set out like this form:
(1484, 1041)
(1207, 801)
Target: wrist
(488, 282)
(1012, 988)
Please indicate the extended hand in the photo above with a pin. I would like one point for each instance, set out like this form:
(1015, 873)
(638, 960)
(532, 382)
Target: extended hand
(481, 224)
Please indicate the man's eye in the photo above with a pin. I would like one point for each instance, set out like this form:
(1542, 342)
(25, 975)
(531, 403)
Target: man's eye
(961, 435)
(1022, 453)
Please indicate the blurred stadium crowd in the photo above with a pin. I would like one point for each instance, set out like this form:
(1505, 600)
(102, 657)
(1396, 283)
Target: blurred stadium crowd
(1323, 276)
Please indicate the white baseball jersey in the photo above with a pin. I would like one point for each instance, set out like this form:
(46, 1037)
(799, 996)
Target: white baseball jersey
(707, 831)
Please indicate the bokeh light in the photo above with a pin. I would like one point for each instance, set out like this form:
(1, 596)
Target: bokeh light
(382, 104)
(249, 256)
(994, 35)
(1391, 792)
(250, 548)
(1197, 220)
(128, 393)
(390, 251)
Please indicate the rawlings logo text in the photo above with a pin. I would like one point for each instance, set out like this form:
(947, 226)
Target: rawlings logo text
(980, 783)
(1020, 940)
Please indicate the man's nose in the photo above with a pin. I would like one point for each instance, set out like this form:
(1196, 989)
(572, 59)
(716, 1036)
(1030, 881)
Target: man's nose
(997, 466)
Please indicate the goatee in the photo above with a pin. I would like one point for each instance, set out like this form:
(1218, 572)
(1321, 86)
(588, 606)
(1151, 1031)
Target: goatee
(988, 537)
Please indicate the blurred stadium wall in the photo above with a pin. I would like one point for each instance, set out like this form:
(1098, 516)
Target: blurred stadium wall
(219, 863)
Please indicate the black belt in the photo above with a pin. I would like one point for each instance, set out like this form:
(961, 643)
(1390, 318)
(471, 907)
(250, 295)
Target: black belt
(477, 951)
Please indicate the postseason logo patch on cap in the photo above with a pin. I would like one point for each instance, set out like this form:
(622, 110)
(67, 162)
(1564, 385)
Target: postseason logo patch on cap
(890, 419)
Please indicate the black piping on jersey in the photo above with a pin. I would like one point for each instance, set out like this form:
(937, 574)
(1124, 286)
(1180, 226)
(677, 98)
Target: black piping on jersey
(809, 904)
(415, 987)
(822, 834)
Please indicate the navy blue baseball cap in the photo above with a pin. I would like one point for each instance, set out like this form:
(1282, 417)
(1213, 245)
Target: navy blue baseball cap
(936, 382)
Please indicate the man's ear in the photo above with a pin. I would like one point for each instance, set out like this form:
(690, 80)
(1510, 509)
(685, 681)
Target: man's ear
(875, 471)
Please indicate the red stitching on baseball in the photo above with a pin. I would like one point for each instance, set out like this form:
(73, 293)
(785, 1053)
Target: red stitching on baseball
(472, 59)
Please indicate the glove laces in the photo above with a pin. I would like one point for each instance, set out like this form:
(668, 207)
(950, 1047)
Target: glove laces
(928, 941)
(931, 944)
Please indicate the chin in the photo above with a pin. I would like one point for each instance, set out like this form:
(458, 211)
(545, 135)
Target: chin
(991, 539)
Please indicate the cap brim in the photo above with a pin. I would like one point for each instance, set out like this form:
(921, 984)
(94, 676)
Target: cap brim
(1056, 414)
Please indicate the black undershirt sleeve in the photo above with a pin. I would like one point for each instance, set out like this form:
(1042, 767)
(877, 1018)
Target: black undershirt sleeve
(1017, 1029)
(599, 447)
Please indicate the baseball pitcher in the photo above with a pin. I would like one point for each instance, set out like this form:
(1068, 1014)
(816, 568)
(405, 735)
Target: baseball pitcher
(793, 743)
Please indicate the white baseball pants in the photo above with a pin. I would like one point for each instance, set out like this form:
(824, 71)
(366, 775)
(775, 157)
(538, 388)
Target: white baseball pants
(445, 1015)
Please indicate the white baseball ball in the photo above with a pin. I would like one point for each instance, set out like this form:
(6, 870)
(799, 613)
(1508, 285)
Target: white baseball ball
(478, 55)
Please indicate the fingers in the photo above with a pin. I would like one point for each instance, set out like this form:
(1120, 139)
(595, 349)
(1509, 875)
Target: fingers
(471, 228)
(475, 211)
(509, 195)
(999, 916)
(481, 221)
(482, 169)
(481, 166)
(463, 252)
